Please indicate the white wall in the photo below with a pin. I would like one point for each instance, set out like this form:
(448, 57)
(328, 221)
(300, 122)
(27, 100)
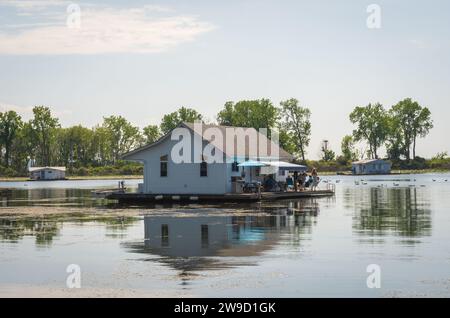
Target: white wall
(48, 174)
(181, 178)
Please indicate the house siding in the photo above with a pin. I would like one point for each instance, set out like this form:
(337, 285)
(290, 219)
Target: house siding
(181, 178)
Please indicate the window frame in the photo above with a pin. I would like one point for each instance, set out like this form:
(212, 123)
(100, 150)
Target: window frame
(163, 166)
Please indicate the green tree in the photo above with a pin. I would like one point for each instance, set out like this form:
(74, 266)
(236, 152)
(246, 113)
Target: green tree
(10, 125)
(173, 120)
(101, 146)
(44, 127)
(74, 146)
(122, 136)
(395, 139)
(414, 121)
(249, 113)
(295, 121)
(349, 152)
(151, 133)
(372, 126)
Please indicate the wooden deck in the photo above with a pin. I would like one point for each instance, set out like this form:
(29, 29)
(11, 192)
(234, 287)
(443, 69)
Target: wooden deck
(241, 197)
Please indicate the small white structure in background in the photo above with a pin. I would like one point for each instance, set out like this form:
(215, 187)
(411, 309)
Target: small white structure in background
(47, 173)
(371, 166)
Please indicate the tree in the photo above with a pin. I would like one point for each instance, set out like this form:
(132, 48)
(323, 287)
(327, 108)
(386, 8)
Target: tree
(122, 136)
(249, 113)
(173, 120)
(295, 121)
(10, 125)
(440, 156)
(44, 127)
(395, 139)
(349, 153)
(151, 133)
(326, 154)
(413, 121)
(74, 146)
(372, 126)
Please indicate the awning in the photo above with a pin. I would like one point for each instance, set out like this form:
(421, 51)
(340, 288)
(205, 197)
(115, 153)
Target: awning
(286, 166)
(252, 163)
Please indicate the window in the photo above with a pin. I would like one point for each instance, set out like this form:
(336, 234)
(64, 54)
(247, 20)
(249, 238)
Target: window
(203, 169)
(204, 235)
(165, 235)
(281, 173)
(234, 166)
(163, 166)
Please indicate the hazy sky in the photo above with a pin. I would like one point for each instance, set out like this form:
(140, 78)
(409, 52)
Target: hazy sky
(142, 59)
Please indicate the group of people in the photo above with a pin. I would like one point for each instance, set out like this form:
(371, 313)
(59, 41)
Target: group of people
(303, 180)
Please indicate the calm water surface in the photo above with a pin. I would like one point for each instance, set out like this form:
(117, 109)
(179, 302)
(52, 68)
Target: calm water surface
(295, 248)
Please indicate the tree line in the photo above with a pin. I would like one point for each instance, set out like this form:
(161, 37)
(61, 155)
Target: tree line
(44, 140)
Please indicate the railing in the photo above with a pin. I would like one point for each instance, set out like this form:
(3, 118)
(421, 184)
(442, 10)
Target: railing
(331, 187)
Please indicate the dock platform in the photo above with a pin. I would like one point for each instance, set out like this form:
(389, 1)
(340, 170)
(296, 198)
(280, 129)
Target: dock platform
(241, 197)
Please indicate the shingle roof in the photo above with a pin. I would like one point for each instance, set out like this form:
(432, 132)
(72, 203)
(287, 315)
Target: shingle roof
(240, 149)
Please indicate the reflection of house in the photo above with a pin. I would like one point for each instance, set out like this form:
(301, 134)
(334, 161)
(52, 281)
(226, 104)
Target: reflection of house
(372, 166)
(216, 242)
(47, 173)
(164, 175)
(204, 236)
(215, 235)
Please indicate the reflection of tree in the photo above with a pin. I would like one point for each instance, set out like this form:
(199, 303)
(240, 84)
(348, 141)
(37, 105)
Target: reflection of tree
(43, 230)
(392, 211)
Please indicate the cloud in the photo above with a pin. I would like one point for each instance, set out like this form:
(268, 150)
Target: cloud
(27, 5)
(102, 30)
(26, 112)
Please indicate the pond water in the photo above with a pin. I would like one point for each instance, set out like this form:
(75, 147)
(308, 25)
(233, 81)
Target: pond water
(291, 248)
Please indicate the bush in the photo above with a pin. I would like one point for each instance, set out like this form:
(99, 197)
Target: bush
(8, 172)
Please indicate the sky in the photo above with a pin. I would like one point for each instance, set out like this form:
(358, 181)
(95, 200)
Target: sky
(143, 59)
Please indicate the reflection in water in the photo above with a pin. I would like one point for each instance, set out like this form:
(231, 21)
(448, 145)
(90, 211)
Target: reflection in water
(383, 211)
(47, 197)
(15, 230)
(45, 229)
(190, 244)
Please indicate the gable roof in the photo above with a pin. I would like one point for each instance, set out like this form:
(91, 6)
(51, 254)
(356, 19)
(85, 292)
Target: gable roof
(240, 149)
(366, 161)
(33, 169)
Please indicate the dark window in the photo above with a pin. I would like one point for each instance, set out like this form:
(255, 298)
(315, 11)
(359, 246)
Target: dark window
(164, 235)
(205, 235)
(203, 169)
(163, 166)
(235, 167)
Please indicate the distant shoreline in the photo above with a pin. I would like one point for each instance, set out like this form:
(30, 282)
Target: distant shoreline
(75, 178)
(393, 172)
(130, 177)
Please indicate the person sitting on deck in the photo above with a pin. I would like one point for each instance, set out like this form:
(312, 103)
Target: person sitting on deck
(309, 182)
(289, 183)
(302, 180)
